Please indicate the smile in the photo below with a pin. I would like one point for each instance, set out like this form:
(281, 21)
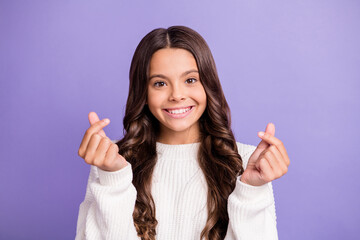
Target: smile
(179, 112)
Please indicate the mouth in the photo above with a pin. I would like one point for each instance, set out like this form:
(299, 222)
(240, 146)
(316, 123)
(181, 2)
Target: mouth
(178, 112)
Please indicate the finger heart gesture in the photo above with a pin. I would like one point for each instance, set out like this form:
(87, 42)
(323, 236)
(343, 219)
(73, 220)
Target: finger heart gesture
(97, 149)
(269, 161)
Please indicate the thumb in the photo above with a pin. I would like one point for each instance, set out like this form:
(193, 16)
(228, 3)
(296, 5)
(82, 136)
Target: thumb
(93, 118)
(270, 129)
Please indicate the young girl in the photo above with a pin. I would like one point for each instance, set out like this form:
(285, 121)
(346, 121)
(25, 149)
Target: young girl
(178, 172)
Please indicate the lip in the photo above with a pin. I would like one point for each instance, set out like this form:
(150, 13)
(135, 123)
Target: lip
(181, 115)
(179, 107)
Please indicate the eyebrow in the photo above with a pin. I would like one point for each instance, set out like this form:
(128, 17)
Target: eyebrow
(182, 75)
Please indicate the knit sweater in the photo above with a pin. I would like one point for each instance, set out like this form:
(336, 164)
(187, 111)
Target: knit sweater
(179, 190)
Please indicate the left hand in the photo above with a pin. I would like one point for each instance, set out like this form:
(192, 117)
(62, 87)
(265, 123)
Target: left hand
(269, 161)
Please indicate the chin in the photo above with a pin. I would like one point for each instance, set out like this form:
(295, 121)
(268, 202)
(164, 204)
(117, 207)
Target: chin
(179, 127)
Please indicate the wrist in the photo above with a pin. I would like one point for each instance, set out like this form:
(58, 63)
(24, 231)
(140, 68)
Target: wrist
(255, 183)
(115, 177)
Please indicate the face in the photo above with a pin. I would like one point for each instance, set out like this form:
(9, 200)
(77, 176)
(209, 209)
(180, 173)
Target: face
(176, 96)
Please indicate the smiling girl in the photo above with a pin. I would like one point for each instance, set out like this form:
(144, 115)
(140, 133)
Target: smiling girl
(178, 172)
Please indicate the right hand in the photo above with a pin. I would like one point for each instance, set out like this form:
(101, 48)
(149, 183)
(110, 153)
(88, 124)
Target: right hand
(97, 149)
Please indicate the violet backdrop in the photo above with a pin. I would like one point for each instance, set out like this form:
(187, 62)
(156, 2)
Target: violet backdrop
(293, 63)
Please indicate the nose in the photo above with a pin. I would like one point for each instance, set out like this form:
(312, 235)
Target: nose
(177, 94)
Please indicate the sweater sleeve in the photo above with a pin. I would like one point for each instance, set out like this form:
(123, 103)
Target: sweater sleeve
(106, 212)
(251, 209)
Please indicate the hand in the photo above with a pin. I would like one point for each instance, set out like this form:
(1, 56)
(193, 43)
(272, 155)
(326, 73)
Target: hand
(269, 161)
(97, 149)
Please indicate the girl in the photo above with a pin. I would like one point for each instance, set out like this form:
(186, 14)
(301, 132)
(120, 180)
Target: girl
(178, 172)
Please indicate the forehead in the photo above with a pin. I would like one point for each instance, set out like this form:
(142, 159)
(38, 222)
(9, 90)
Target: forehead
(172, 61)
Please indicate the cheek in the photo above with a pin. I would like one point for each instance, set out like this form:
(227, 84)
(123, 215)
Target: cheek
(154, 99)
(201, 96)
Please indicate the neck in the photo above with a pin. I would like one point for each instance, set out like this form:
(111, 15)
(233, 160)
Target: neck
(169, 136)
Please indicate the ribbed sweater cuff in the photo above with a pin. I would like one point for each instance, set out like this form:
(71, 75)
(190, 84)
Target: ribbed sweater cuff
(248, 193)
(120, 177)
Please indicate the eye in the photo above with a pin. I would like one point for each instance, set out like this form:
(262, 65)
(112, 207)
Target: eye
(159, 84)
(191, 80)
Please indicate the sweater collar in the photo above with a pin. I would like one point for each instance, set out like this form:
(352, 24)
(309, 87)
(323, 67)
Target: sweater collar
(178, 152)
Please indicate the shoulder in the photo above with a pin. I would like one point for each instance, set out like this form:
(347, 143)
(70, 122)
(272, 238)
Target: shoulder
(245, 151)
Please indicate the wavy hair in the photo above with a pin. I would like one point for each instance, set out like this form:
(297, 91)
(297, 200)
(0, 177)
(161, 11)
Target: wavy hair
(218, 156)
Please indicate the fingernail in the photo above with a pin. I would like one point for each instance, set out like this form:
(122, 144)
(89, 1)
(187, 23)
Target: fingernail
(106, 120)
(261, 134)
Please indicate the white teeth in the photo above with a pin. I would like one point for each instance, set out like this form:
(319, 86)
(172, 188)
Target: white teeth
(179, 111)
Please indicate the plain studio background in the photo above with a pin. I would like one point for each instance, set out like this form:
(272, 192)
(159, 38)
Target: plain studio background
(293, 63)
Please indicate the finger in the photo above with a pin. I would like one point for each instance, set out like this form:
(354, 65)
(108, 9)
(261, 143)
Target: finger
(89, 132)
(110, 156)
(279, 158)
(274, 164)
(101, 150)
(270, 129)
(266, 171)
(93, 118)
(99, 125)
(277, 142)
(91, 148)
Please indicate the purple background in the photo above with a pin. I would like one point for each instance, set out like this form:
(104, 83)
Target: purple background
(293, 63)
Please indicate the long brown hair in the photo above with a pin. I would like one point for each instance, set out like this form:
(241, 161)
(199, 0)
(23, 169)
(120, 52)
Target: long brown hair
(218, 156)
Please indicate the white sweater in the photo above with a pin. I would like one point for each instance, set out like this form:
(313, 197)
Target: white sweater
(179, 190)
